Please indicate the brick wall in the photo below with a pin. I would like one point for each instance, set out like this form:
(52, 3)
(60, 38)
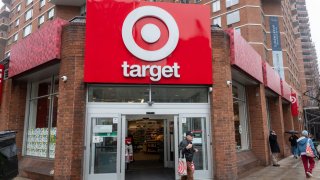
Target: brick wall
(224, 150)
(71, 105)
(258, 123)
(4, 106)
(276, 116)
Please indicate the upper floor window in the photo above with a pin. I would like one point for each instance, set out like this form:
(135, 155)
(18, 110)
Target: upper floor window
(233, 17)
(28, 2)
(216, 6)
(51, 13)
(17, 23)
(217, 21)
(42, 3)
(41, 19)
(27, 30)
(28, 14)
(19, 8)
(231, 2)
(15, 37)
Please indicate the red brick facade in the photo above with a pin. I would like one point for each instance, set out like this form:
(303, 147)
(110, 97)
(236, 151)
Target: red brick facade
(69, 157)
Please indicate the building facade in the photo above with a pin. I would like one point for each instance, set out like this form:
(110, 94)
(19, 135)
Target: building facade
(73, 118)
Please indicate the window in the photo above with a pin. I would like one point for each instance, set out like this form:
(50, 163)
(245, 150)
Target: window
(15, 37)
(233, 17)
(42, 3)
(50, 13)
(42, 118)
(28, 2)
(216, 6)
(83, 10)
(19, 8)
(240, 116)
(27, 30)
(237, 30)
(28, 14)
(217, 21)
(41, 20)
(230, 3)
(17, 22)
(141, 94)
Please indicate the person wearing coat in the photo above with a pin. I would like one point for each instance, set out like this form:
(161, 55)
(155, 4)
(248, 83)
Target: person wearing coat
(308, 162)
(274, 146)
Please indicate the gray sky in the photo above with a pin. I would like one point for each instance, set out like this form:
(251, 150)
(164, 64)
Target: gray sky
(314, 13)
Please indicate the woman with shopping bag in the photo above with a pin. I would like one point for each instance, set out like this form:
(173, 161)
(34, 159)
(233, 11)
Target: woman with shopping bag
(186, 165)
(308, 153)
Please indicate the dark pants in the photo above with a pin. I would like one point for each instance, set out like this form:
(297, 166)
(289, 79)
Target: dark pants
(306, 161)
(190, 171)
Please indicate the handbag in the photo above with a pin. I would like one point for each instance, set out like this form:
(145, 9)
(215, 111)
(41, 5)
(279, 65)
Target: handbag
(309, 151)
(182, 166)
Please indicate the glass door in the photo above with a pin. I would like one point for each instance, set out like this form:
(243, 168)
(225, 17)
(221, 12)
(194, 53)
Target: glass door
(169, 146)
(103, 139)
(200, 126)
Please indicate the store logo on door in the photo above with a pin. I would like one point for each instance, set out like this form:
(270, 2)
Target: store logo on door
(145, 42)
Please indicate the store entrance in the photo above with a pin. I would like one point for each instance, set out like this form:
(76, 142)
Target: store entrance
(149, 147)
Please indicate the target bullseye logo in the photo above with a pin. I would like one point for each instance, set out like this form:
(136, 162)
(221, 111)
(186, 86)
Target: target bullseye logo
(150, 33)
(293, 99)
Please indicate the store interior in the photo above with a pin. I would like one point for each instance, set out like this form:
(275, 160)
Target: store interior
(147, 140)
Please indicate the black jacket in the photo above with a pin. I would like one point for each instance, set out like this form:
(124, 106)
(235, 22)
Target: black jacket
(293, 140)
(187, 153)
(274, 144)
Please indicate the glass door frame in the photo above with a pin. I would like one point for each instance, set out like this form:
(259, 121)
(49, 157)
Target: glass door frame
(88, 143)
(204, 174)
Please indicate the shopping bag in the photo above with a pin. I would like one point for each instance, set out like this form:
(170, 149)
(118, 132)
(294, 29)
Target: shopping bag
(309, 151)
(318, 149)
(182, 167)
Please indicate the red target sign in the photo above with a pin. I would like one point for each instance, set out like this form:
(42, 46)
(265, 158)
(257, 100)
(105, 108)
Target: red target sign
(139, 42)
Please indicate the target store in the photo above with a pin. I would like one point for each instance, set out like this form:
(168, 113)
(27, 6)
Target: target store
(111, 97)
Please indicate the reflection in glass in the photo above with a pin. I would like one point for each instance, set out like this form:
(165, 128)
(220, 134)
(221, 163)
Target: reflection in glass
(105, 150)
(141, 94)
(197, 126)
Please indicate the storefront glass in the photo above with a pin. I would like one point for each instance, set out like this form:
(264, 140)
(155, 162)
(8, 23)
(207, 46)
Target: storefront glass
(240, 117)
(42, 118)
(143, 94)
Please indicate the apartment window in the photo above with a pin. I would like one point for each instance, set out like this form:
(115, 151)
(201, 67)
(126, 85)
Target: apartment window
(28, 14)
(27, 30)
(15, 37)
(240, 116)
(19, 8)
(28, 2)
(50, 13)
(237, 30)
(42, 118)
(217, 20)
(17, 23)
(230, 3)
(41, 20)
(197, 1)
(233, 17)
(216, 6)
(42, 3)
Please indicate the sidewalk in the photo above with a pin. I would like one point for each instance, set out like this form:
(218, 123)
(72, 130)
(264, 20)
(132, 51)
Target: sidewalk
(290, 169)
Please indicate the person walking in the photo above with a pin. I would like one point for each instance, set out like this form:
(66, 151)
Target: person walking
(274, 146)
(293, 141)
(187, 151)
(308, 162)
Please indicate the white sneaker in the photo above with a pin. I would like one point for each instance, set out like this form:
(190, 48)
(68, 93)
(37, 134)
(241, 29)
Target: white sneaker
(310, 174)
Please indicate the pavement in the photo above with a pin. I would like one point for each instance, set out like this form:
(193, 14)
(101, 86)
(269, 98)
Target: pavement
(290, 169)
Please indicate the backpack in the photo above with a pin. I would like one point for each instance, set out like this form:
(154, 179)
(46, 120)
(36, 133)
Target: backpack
(309, 151)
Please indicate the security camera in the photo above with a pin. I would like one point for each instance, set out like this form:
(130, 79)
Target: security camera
(64, 78)
(229, 83)
(150, 103)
